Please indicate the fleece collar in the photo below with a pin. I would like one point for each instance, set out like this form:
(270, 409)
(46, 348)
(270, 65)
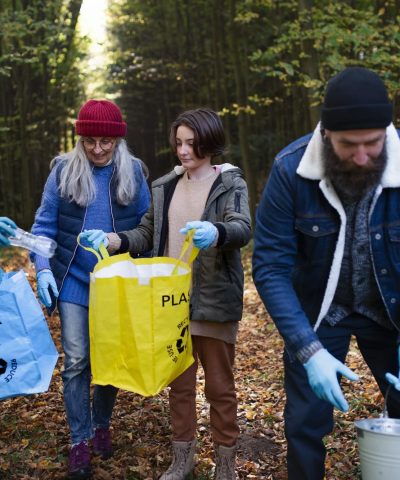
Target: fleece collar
(224, 167)
(311, 165)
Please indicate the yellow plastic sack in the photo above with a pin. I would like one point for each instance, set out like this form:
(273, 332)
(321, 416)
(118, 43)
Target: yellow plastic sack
(139, 320)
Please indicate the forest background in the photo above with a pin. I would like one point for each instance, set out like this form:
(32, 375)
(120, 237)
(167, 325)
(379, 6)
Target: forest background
(263, 64)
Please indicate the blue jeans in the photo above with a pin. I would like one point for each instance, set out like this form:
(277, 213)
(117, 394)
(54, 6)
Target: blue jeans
(307, 418)
(82, 419)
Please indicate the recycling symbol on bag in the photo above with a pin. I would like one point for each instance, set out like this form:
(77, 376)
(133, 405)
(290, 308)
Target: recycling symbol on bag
(3, 364)
(180, 346)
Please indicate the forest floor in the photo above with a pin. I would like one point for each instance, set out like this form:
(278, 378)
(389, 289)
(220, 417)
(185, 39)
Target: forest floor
(34, 437)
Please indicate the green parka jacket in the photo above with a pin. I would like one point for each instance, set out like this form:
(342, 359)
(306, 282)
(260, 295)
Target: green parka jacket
(217, 283)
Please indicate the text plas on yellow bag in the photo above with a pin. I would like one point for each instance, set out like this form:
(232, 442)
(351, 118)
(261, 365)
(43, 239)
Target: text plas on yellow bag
(139, 322)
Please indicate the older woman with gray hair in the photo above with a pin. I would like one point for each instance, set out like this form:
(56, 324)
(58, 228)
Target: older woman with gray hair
(98, 185)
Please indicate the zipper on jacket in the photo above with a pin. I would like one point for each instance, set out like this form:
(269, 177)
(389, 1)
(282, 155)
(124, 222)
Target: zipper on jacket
(225, 261)
(237, 202)
(168, 192)
(109, 198)
(83, 223)
(371, 253)
(69, 265)
(70, 262)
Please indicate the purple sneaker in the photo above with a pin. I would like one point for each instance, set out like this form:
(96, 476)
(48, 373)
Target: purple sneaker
(79, 461)
(102, 443)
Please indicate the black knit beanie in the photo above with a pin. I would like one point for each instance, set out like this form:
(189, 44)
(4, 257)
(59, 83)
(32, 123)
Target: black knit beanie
(356, 98)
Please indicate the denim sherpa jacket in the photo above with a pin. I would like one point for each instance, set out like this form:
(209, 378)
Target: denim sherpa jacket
(299, 239)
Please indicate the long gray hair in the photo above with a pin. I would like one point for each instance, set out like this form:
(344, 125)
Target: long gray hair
(76, 179)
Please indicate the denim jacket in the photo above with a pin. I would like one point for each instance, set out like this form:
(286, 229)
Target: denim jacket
(299, 239)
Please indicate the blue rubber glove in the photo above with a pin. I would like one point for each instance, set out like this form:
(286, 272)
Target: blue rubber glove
(322, 369)
(7, 229)
(395, 381)
(46, 283)
(94, 238)
(205, 233)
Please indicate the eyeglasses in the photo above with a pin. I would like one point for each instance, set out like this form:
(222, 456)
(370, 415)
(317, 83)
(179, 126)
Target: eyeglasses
(105, 144)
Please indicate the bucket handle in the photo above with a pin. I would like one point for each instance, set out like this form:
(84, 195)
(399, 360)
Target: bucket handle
(385, 413)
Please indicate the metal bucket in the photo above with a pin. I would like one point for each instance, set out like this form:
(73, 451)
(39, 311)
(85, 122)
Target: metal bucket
(379, 447)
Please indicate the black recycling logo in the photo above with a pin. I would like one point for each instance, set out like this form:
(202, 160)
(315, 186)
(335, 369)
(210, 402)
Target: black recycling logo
(180, 346)
(3, 366)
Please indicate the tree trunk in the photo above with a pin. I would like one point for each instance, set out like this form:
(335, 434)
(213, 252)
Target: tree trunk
(309, 63)
(241, 96)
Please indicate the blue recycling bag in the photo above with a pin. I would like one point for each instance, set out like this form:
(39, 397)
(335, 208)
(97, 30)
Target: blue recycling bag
(27, 352)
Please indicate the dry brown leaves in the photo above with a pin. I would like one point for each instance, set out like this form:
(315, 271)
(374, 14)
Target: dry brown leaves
(34, 437)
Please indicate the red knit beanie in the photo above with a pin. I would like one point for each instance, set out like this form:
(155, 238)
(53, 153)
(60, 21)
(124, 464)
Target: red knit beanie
(100, 118)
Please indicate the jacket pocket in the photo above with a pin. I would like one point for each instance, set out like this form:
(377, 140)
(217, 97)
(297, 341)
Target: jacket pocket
(227, 268)
(317, 226)
(316, 240)
(394, 233)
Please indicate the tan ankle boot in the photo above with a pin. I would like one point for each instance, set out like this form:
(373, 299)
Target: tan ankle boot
(182, 461)
(225, 462)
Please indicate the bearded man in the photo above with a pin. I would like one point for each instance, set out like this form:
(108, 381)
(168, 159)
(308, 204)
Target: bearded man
(326, 259)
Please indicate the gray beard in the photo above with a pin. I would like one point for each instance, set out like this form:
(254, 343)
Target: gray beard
(350, 181)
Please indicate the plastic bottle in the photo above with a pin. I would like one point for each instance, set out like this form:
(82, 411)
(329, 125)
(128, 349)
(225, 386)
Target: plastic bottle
(43, 246)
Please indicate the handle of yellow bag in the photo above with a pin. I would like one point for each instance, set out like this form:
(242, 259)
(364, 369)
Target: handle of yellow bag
(101, 254)
(185, 246)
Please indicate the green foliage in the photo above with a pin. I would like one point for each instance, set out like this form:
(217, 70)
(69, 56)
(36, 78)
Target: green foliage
(40, 87)
(262, 64)
(334, 35)
(171, 56)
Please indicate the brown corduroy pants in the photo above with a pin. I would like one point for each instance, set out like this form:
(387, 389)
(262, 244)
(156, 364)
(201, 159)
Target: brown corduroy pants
(217, 359)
